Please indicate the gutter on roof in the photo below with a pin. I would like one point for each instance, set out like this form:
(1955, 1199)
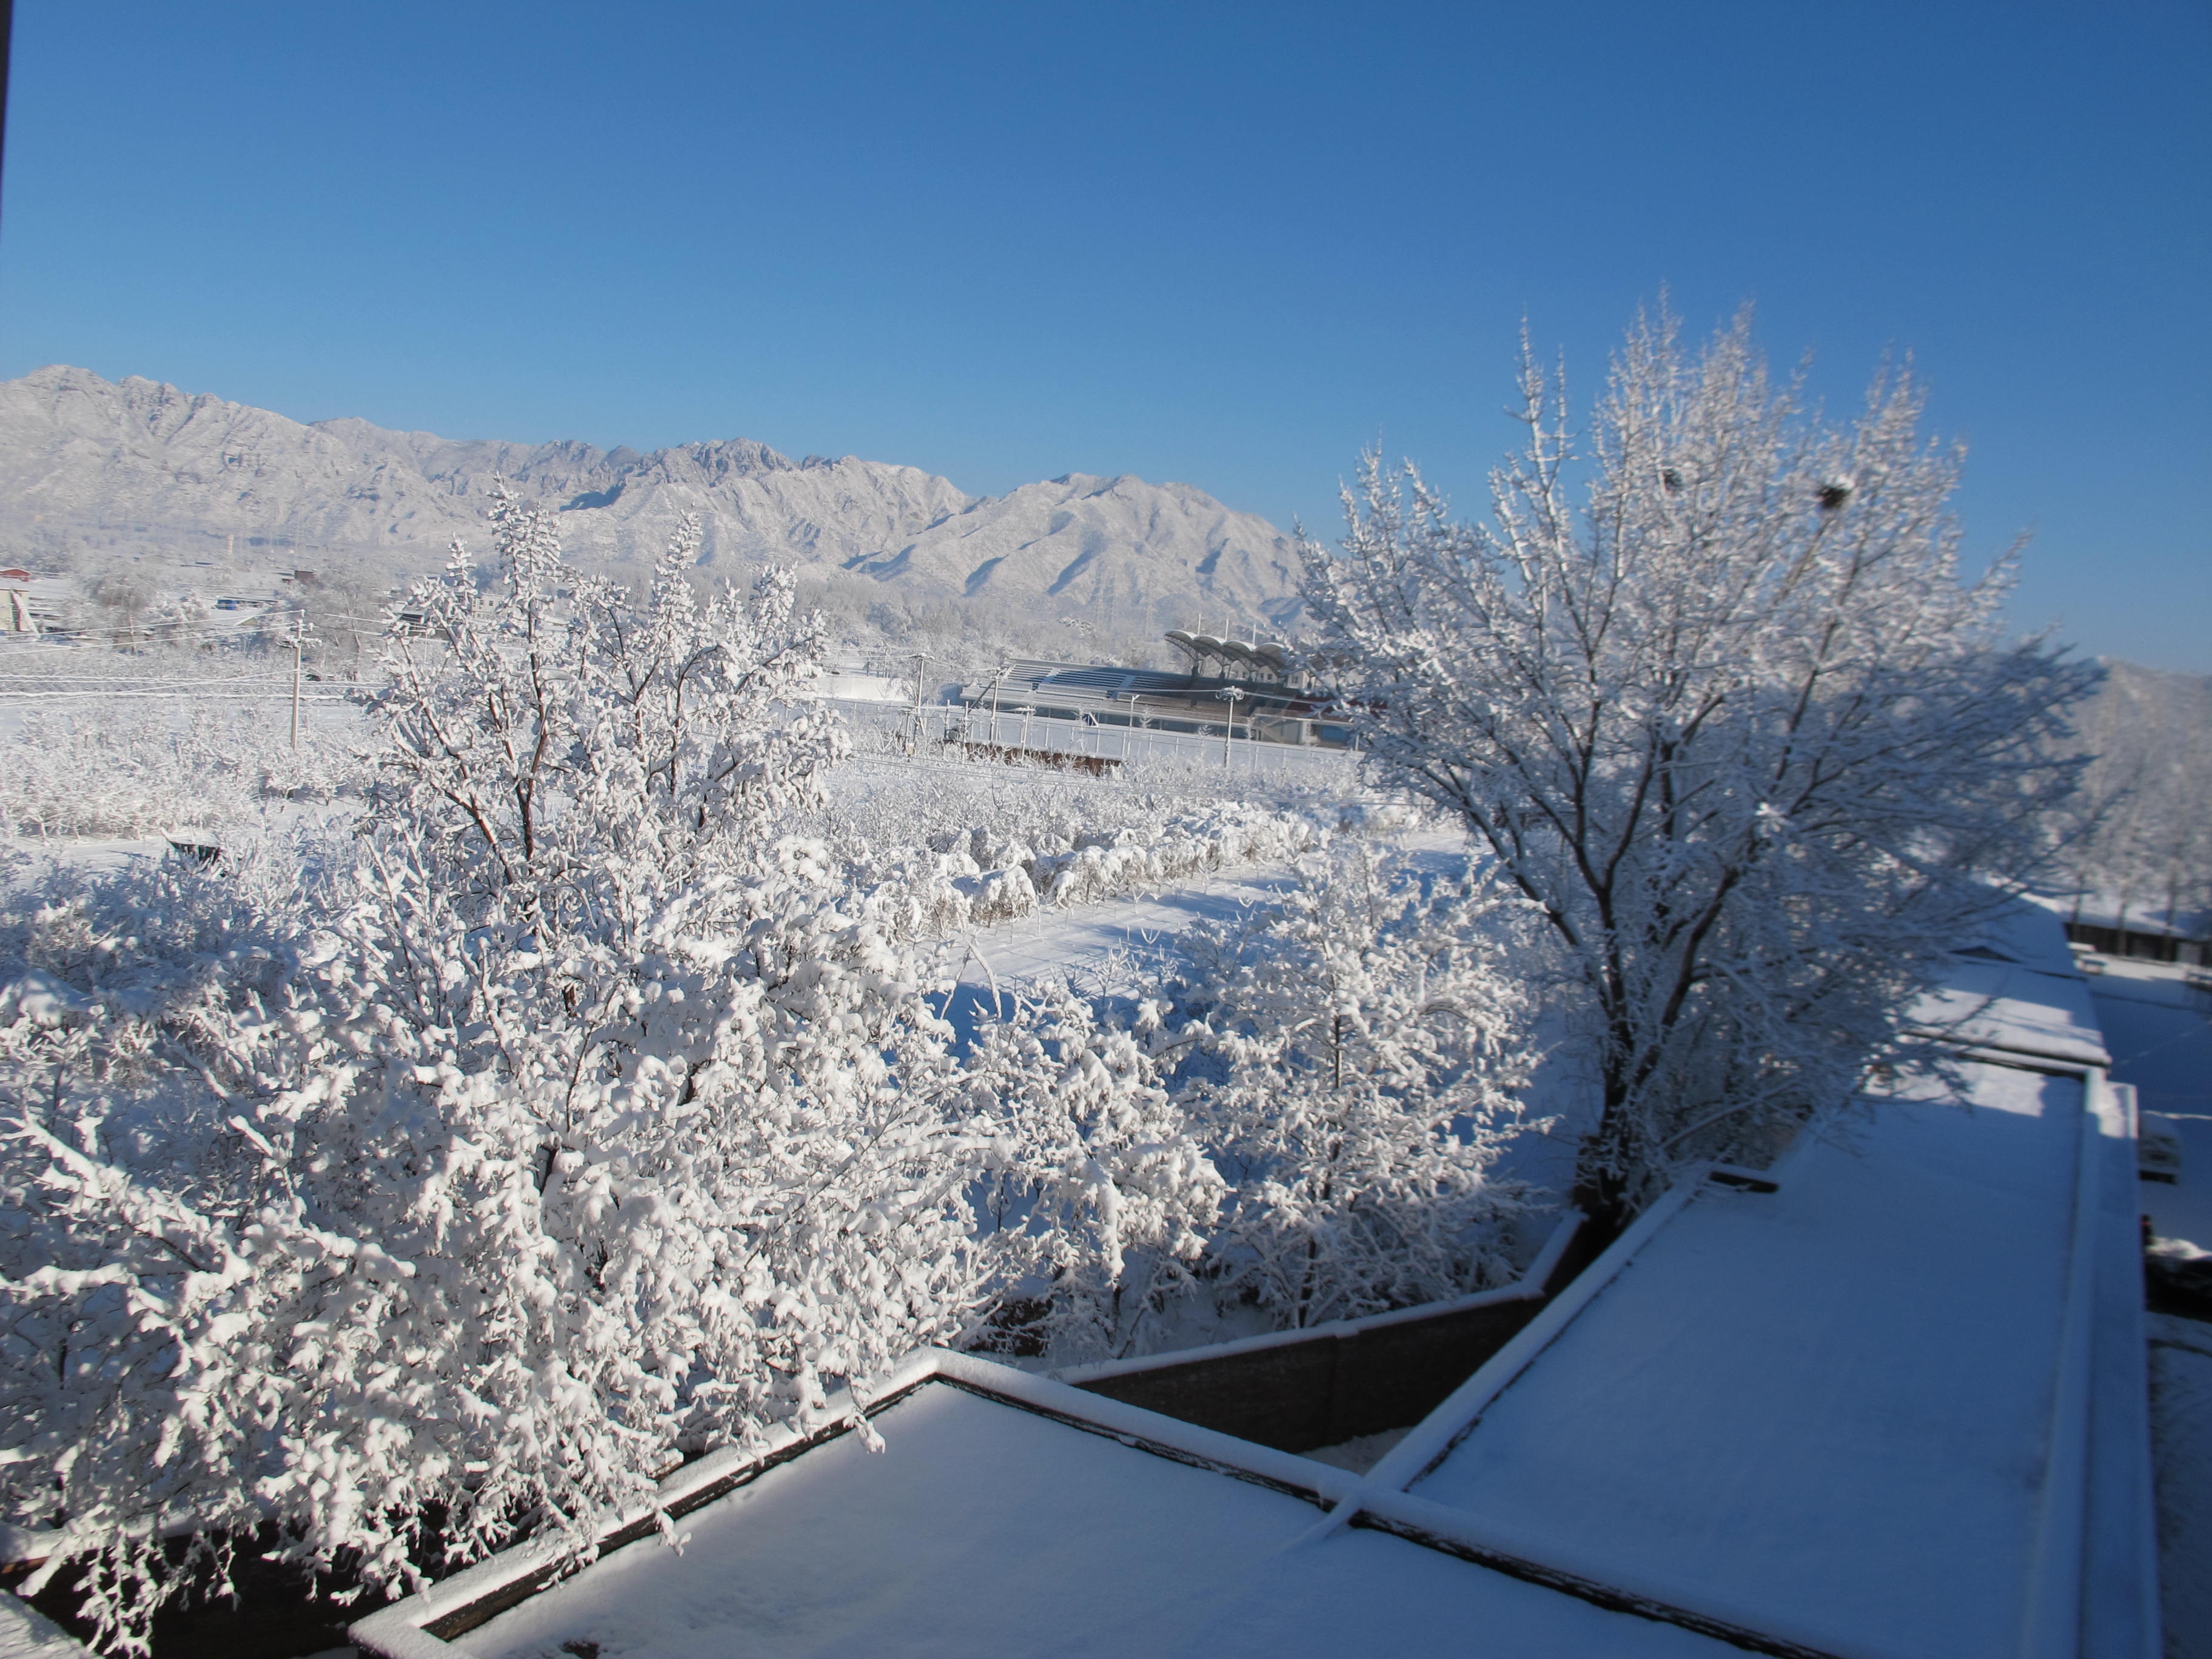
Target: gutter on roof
(2052, 1628)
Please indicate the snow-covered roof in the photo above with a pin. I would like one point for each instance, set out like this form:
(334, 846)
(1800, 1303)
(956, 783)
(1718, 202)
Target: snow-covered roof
(1894, 1408)
(26, 1634)
(2023, 1011)
(2143, 921)
(2016, 988)
(2023, 932)
(1012, 1515)
(1836, 1411)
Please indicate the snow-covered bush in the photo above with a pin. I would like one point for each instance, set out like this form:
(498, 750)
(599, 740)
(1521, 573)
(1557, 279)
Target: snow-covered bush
(574, 1117)
(136, 1002)
(1104, 1171)
(136, 767)
(880, 803)
(980, 877)
(1373, 1042)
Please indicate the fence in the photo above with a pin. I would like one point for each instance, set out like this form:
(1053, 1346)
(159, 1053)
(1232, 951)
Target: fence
(947, 729)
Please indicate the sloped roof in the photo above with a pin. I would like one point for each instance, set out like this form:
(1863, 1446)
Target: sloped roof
(1830, 1409)
(988, 1529)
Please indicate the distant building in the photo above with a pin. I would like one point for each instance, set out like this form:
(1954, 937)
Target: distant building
(1213, 659)
(2153, 941)
(1253, 688)
(33, 604)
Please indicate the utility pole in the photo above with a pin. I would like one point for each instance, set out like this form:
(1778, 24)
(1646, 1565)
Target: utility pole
(920, 662)
(298, 638)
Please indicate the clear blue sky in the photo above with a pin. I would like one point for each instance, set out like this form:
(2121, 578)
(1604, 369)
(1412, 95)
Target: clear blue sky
(1229, 244)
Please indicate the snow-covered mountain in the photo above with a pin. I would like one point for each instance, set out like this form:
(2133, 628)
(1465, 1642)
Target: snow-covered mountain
(139, 463)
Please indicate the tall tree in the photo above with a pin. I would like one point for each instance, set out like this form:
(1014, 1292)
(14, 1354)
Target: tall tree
(1711, 688)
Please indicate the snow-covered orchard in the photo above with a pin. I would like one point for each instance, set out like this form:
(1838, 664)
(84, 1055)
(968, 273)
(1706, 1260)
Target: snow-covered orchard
(575, 1079)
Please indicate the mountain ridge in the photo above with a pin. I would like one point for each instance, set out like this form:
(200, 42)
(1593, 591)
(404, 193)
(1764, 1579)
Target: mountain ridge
(141, 464)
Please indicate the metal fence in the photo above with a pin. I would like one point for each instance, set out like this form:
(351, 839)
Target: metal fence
(946, 729)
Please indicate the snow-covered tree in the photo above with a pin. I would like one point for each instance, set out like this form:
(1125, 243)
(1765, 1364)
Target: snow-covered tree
(2140, 841)
(1711, 690)
(1374, 1041)
(573, 1116)
(549, 736)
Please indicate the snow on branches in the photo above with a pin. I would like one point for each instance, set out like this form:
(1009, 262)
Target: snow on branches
(1726, 713)
(573, 1116)
(1102, 1169)
(1373, 1043)
(546, 732)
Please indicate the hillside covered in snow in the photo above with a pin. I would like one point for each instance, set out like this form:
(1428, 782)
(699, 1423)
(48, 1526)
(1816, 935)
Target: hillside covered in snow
(139, 466)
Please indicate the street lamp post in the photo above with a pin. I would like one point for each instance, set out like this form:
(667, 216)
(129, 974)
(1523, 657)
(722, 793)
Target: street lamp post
(998, 681)
(1232, 696)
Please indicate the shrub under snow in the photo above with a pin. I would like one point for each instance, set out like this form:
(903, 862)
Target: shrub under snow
(571, 1119)
(980, 877)
(134, 770)
(1372, 1043)
(413, 1189)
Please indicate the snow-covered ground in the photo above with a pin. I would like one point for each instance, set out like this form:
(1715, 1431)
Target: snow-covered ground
(2159, 1026)
(1125, 944)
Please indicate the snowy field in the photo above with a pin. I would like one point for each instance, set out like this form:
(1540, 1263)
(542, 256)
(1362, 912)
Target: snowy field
(947, 727)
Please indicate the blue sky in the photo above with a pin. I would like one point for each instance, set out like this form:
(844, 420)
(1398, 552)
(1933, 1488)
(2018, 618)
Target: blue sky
(1229, 244)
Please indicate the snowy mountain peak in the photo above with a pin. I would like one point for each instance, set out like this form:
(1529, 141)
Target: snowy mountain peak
(140, 465)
